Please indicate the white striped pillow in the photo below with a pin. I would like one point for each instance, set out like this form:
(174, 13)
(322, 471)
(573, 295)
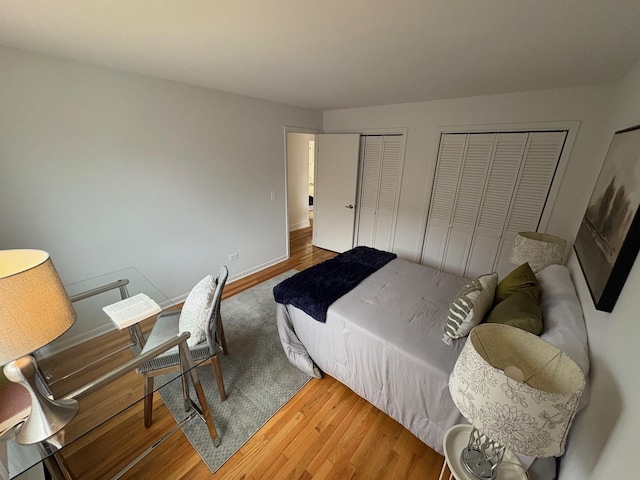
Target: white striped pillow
(469, 307)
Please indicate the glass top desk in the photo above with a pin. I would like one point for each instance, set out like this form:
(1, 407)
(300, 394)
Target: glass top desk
(89, 359)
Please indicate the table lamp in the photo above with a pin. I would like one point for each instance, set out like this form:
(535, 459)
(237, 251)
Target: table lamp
(34, 310)
(538, 249)
(518, 391)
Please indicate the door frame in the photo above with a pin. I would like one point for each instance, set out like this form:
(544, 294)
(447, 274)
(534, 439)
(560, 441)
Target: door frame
(287, 129)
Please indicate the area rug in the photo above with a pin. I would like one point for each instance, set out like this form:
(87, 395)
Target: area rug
(258, 377)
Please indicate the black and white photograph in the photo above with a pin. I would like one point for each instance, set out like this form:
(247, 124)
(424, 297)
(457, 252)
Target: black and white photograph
(608, 240)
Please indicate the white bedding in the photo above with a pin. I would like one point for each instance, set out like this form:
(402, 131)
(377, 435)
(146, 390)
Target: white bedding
(384, 341)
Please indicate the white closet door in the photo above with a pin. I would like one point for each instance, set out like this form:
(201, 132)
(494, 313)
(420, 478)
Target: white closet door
(488, 187)
(536, 174)
(356, 240)
(371, 159)
(499, 189)
(379, 194)
(389, 192)
(445, 187)
(477, 158)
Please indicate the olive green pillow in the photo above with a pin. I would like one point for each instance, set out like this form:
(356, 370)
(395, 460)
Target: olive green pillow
(521, 310)
(521, 278)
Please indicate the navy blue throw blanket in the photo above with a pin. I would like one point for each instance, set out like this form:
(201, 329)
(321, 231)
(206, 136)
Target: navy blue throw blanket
(315, 288)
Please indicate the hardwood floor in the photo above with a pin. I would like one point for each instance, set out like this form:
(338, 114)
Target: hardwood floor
(324, 432)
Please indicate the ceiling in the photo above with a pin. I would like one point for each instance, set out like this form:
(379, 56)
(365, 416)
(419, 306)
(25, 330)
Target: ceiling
(329, 54)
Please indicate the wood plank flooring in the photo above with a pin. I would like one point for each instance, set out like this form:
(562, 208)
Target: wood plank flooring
(324, 432)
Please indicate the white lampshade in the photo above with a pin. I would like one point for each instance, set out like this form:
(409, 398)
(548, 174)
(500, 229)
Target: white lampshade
(34, 307)
(530, 415)
(537, 249)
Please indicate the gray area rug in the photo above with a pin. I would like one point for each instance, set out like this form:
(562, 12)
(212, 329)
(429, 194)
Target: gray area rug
(258, 377)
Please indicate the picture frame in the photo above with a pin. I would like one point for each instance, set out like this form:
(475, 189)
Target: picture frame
(608, 239)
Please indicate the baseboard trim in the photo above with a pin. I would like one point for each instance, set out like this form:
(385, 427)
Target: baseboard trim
(256, 269)
(299, 225)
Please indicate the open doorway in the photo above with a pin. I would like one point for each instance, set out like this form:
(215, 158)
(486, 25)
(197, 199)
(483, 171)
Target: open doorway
(300, 179)
(312, 159)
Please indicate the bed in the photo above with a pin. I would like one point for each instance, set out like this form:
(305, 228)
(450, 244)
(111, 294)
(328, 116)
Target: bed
(383, 340)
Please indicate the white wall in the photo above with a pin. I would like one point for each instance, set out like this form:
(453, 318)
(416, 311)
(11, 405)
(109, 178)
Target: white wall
(589, 105)
(298, 179)
(106, 169)
(604, 438)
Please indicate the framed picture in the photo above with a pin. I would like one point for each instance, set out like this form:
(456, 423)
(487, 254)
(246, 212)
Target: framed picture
(609, 236)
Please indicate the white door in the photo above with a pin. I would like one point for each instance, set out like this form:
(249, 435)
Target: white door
(496, 200)
(538, 169)
(479, 150)
(381, 159)
(445, 188)
(335, 191)
(488, 187)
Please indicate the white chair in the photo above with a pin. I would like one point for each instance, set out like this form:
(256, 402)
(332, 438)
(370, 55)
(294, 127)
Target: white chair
(167, 326)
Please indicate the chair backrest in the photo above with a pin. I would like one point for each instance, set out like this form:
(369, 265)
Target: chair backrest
(214, 314)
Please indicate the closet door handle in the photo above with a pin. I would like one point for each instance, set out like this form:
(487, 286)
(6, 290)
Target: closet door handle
(348, 206)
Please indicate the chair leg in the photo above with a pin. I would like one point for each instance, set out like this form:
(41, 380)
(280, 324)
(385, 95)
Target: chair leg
(148, 401)
(223, 340)
(217, 372)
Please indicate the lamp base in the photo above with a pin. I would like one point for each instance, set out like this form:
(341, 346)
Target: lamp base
(47, 416)
(482, 456)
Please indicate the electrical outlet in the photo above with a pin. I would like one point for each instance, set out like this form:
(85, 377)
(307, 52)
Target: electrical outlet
(274, 196)
(233, 256)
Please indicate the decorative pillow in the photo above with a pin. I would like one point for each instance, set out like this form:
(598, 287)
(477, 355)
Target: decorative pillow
(564, 324)
(520, 278)
(469, 307)
(521, 310)
(193, 317)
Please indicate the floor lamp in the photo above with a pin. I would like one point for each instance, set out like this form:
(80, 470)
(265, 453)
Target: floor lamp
(34, 310)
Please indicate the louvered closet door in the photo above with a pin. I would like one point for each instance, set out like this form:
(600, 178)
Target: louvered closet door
(381, 170)
(541, 157)
(500, 186)
(370, 161)
(445, 187)
(477, 158)
(488, 187)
